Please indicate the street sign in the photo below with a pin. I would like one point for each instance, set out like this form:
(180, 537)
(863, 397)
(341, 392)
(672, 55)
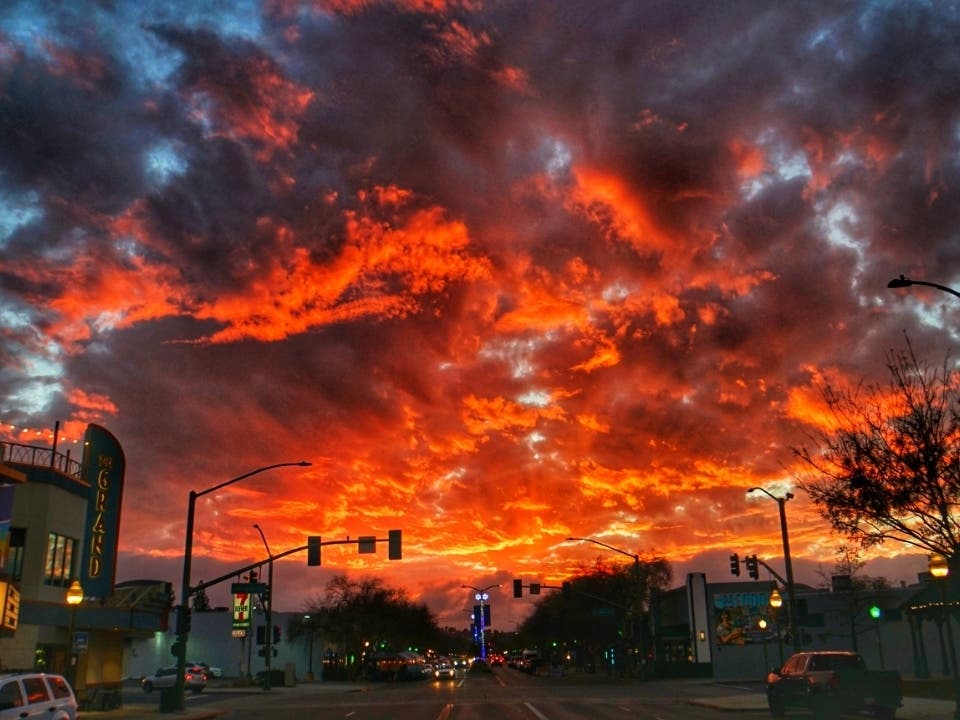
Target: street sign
(81, 641)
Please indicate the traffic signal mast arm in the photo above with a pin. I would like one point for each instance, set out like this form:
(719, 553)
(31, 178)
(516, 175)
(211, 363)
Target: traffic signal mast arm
(253, 566)
(771, 571)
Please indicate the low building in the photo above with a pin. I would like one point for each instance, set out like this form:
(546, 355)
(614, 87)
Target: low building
(59, 520)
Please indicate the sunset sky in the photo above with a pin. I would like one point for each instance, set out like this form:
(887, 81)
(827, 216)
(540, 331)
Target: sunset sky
(504, 272)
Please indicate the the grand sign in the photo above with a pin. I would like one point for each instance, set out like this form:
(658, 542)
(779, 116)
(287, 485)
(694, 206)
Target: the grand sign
(103, 468)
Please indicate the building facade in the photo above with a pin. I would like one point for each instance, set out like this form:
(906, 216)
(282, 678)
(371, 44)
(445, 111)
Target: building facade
(59, 526)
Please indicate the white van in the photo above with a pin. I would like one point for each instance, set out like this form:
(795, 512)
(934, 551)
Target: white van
(36, 694)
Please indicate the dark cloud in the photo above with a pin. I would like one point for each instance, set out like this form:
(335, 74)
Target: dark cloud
(505, 274)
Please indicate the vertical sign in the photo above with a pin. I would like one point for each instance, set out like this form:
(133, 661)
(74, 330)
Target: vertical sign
(242, 609)
(103, 470)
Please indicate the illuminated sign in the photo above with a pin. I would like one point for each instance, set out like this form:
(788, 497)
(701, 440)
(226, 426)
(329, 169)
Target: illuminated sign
(9, 606)
(242, 610)
(103, 469)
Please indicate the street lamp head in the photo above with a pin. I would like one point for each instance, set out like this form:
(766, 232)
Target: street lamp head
(900, 282)
(938, 566)
(776, 599)
(75, 593)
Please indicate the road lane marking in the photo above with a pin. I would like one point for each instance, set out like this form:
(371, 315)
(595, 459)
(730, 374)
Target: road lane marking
(445, 713)
(536, 712)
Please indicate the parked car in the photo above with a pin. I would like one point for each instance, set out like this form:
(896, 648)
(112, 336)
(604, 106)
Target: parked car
(833, 683)
(445, 671)
(194, 679)
(36, 694)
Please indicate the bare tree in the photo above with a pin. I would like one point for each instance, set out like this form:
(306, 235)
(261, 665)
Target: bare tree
(889, 468)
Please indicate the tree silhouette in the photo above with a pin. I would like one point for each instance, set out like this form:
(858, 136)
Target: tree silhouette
(888, 469)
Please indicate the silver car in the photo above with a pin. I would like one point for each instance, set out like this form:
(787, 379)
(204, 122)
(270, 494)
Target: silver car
(28, 694)
(194, 679)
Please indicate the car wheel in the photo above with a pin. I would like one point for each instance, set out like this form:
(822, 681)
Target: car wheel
(148, 687)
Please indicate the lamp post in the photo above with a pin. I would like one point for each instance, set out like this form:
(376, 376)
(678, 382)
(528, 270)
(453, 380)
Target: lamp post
(268, 613)
(309, 623)
(940, 568)
(74, 598)
(762, 624)
(776, 602)
(636, 604)
(903, 282)
(792, 620)
(481, 596)
(183, 612)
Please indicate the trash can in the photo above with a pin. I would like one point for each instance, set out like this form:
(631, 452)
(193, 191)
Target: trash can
(168, 700)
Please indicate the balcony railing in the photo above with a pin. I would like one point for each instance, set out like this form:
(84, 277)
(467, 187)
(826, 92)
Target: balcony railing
(40, 457)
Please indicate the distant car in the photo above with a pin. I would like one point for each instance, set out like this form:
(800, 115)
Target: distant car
(461, 663)
(194, 679)
(445, 671)
(496, 660)
(209, 671)
(36, 695)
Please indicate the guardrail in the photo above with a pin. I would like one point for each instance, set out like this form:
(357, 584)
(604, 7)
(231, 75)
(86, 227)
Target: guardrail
(40, 457)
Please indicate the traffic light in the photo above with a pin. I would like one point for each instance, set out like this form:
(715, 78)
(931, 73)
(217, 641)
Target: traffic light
(276, 634)
(735, 564)
(394, 545)
(313, 550)
(753, 567)
(875, 612)
(265, 595)
(518, 588)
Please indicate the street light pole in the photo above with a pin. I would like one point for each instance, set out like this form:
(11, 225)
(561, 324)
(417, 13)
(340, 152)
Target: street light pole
(74, 598)
(940, 569)
(788, 563)
(183, 612)
(268, 614)
(481, 596)
(637, 603)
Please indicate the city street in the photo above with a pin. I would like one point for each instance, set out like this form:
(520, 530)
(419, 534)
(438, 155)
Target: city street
(504, 693)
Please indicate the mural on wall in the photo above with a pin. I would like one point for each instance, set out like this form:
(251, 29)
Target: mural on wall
(738, 616)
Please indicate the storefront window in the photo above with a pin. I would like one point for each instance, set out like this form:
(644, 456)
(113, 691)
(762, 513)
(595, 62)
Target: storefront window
(59, 567)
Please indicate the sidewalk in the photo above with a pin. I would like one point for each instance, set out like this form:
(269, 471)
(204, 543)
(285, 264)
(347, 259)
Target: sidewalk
(149, 709)
(912, 708)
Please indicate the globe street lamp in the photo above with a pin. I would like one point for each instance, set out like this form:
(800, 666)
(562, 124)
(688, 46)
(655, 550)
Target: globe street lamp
(268, 613)
(792, 620)
(903, 282)
(74, 598)
(481, 597)
(183, 611)
(637, 604)
(776, 602)
(940, 568)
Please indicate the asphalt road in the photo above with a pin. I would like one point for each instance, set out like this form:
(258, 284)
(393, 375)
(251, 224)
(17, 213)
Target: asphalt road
(504, 694)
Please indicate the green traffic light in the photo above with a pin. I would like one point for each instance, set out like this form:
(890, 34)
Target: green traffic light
(875, 612)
